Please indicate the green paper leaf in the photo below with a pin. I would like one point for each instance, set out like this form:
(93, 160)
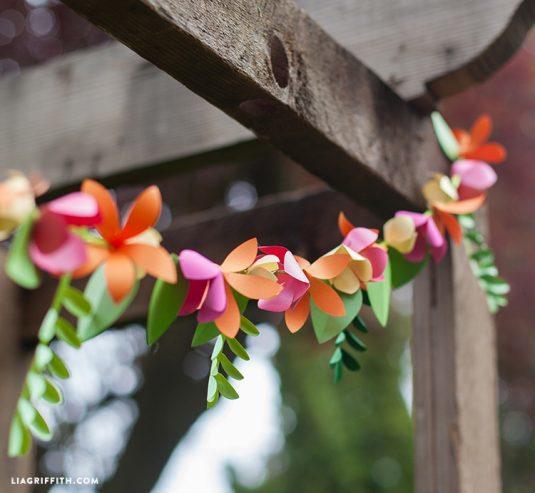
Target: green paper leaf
(104, 311)
(36, 384)
(165, 302)
(237, 349)
(67, 333)
(52, 393)
(225, 388)
(467, 221)
(20, 439)
(325, 326)
(349, 362)
(40, 427)
(248, 327)
(204, 333)
(229, 368)
(47, 331)
(359, 324)
(341, 338)
(26, 411)
(75, 302)
(218, 347)
(495, 285)
(211, 392)
(336, 357)
(43, 356)
(58, 368)
(446, 139)
(401, 270)
(379, 295)
(338, 371)
(19, 266)
(355, 342)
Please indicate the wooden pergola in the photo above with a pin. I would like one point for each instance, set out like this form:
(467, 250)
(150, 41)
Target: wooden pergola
(343, 88)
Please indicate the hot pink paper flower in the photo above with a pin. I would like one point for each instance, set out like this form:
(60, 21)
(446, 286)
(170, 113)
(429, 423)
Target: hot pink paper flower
(362, 241)
(54, 247)
(476, 177)
(429, 237)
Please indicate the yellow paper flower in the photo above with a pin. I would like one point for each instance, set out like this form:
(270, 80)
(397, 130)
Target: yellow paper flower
(17, 200)
(440, 189)
(357, 273)
(400, 233)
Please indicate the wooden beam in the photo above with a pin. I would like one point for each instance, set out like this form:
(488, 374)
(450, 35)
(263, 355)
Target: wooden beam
(275, 70)
(108, 113)
(13, 365)
(455, 382)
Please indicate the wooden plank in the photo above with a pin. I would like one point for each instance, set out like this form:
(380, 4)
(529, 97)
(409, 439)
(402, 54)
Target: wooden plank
(455, 382)
(13, 365)
(276, 71)
(105, 112)
(413, 42)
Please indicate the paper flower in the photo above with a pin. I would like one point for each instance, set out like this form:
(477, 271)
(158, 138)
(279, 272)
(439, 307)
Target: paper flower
(54, 247)
(17, 201)
(475, 177)
(301, 282)
(400, 233)
(428, 237)
(366, 259)
(475, 145)
(125, 250)
(210, 285)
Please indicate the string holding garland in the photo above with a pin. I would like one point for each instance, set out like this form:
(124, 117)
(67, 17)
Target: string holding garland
(81, 234)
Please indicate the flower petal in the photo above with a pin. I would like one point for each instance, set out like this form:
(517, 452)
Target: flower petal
(95, 256)
(481, 130)
(378, 259)
(253, 287)
(419, 251)
(491, 153)
(278, 251)
(347, 282)
(196, 267)
(328, 266)
(215, 303)
(229, 322)
(326, 298)
(109, 226)
(241, 257)
(360, 238)
(296, 316)
(194, 297)
(418, 218)
(156, 261)
(433, 236)
(67, 257)
(462, 206)
(120, 274)
(143, 213)
(476, 175)
(400, 233)
(280, 303)
(452, 226)
(344, 225)
(49, 232)
(293, 268)
(77, 208)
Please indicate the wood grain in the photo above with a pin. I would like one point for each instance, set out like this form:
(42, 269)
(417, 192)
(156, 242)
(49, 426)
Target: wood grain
(335, 117)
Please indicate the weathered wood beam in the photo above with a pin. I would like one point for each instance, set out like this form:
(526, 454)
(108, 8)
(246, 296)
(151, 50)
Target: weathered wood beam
(272, 68)
(455, 382)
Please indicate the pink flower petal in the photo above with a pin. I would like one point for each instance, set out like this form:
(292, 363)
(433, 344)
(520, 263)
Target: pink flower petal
(194, 296)
(279, 303)
(196, 267)
(278, 251)
(439, 252)
(215, 302)
(77, 208)
(50, 232)
(360, 238)
(418, 219)
(474, 174)
(434, 238)
(66, 258)
(378, 258)
(419, 251)
(292, 268)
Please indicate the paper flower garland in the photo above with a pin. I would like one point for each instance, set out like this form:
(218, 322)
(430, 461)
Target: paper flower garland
(81, 234)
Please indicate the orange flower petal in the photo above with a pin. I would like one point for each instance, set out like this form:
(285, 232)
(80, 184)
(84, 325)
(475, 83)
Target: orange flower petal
(296, 317)
(144, 212)
(326, 298)
(462, 206)
(328, 267)
(109, 228)
(451, 224)
(241, 257)
(344, 225)
(491, 153)
(462, 136)
(156, 261)
(120, 274)
(252, 286)
(229, 323)
(95, 256)
(481, 130)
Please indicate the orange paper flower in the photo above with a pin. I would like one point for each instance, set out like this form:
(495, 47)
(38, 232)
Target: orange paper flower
(125, 250)
(475, 145)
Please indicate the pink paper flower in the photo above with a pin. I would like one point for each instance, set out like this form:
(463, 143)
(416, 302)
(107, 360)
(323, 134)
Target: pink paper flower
(476, 177)
(428, 237)
(362, 241)
(54, 247)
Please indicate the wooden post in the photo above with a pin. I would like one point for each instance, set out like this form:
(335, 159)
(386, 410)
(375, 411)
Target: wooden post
(455, 382)
(13, 365)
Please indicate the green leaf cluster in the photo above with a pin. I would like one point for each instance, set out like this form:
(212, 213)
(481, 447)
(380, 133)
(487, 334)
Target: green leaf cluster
(346, 340)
